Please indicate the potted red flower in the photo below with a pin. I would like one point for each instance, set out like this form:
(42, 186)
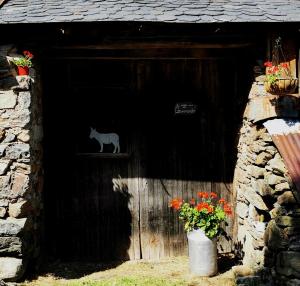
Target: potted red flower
(23, 63)
(202, 219)
(279, 79)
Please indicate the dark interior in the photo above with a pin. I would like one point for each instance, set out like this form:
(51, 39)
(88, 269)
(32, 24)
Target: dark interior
(93, 211)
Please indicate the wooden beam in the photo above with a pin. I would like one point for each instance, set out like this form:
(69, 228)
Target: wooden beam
(140, 54)
(135, 58)
(157, 45)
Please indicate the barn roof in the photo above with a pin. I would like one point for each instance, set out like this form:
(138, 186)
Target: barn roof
(179, 11)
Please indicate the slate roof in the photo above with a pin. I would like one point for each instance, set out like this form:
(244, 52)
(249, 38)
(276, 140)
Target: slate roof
(180, 11)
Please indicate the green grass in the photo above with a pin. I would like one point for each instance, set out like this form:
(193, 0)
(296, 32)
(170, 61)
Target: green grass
(166, 272)
(127, 281)
(119, 281)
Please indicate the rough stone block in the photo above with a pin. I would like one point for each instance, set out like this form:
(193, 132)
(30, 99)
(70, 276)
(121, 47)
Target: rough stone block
(263, 158)
(257, 172)
(4, 202)
(287, 221)
(18, 150)
(242, 270)
(270, 106)
(24, 136)
(21, 168)
(286, 198)
(9, 137)
(240, 197)
(291, 231)
(10, 246)
(2, 134)
(253, 214)
(261, 188)
(21, 118)
(2, 149)
(278, 211)
(293, 282)
(277, 165)
(295, 244)
(23, 81)
(8, 99)
(282, 187)
(19, 209)
(8, 83)
(251, 157)
(257, 148)
(274, 237)
(272, 150)
(288, 263)
(5, 187)
(266, 137)
(241, 175)
(255, 199)
(269, 257)
(248, 280)
(272, 179)
(11, 269)
(2, 212)
(257, 232)
(11, 226)
(24, 100)
(4, 50)
(258, 243)
(20, 184)
(4, 164)
(242, 210)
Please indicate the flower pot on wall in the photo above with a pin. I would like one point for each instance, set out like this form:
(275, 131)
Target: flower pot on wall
(202, 253)
(23, 70)
(282, 86)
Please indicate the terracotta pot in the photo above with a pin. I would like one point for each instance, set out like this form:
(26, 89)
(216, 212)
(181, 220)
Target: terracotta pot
(282, 86)
(23, 70)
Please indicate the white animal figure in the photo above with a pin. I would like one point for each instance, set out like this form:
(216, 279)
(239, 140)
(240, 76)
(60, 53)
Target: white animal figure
(106, 138)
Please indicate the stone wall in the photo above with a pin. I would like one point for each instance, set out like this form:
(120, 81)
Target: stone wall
(20, 169)
(267, 208)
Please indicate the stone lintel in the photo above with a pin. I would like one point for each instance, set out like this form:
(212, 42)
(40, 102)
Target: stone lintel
(271, 106)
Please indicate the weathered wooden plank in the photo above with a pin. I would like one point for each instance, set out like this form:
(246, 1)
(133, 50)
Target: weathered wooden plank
(134, 250)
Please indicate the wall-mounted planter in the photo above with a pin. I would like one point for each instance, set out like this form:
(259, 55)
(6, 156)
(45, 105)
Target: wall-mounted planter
(282, 86)
(23, 70)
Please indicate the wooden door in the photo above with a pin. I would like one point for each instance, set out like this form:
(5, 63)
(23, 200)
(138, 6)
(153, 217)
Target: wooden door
(186, 153)
(115, 206)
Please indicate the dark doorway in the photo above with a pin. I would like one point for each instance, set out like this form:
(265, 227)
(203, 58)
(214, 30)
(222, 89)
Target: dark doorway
(110, 206)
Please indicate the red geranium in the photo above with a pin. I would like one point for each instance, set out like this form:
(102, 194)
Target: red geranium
(275, 72)
(207, 213)
(24, 61)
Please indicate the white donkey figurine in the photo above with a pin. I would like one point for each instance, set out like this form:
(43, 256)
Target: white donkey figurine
(106, 138)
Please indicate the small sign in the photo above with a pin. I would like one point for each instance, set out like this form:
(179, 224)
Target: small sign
(185, 108)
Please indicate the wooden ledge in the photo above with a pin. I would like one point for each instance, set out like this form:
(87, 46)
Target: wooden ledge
(103, 155)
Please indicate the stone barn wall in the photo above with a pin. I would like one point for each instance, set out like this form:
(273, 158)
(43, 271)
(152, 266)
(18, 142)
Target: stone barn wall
(20, 169)
(268, 208)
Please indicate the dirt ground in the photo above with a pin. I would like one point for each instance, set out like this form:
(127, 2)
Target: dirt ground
(169, 271)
